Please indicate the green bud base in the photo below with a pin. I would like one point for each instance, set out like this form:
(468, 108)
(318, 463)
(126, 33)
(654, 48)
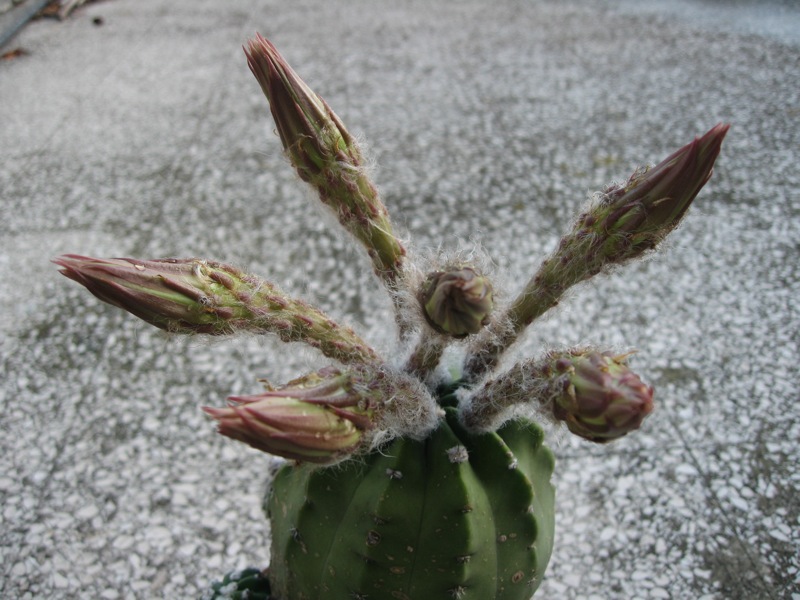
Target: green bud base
(455, 516)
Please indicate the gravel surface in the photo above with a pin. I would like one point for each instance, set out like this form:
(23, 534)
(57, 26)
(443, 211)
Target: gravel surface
(146, 136)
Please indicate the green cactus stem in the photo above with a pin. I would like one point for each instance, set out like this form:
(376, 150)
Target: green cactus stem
(326, 156)
(594, 393)
(457, 515)
(623, 223)
(201, 296)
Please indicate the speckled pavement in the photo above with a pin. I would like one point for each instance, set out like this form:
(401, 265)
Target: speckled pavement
(147, 136)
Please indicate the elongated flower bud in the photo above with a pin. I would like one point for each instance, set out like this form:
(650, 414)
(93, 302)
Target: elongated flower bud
(322, 417)
(595, 393)
(311, 133)
(326, 156)
(630, 219)
(318, 418)
(456, 302)
(623, 223)
(200, 296)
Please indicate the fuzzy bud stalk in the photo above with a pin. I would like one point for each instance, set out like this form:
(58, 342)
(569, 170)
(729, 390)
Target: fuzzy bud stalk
(327, 157)
(622, 224)
(202, 296)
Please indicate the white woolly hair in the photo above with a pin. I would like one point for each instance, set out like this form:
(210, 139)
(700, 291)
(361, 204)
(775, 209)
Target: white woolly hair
(529, 398)
(468, 254)
(411, 411)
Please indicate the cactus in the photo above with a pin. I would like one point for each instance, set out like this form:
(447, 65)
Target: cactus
(457, 515)
(403, 482)
(247, 584)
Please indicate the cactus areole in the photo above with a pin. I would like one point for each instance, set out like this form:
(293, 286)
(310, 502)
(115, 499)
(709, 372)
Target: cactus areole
(456, 515)
(402, 483)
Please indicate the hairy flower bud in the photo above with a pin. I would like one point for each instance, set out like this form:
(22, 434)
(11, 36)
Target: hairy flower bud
(600, 398)
(311, 133)
(318, 418)
(456, 302)
(594, 393)
(623, 223)
(632, 218)
(201, 296)
(329, 415)
(326, 156)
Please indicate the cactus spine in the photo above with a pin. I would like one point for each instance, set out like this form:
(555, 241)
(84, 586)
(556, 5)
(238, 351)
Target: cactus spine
(406, 485)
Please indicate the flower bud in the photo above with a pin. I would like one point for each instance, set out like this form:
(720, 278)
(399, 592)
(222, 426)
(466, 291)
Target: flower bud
(600, 398)
(457, 302)
(328, 415)
(173, 294)
(594, 393)
(327, 157)
(319, 418)
(634, 217)
(623, 223)
(312, 135)
(202, 296)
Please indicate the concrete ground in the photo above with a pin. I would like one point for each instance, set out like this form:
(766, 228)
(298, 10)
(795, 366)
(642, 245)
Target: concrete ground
(145, 135)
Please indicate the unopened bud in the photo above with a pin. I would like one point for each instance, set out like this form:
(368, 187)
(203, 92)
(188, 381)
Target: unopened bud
(330, 414)
(457, 302)
(202, 296)
(326, 156)
(319, 418)
(594, 393)
(311, 133)
(600, 398)
(623, 223)
(634, 217)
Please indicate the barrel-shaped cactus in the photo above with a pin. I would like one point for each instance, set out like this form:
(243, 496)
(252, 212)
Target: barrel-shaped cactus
(457, 515)
(404, 484)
